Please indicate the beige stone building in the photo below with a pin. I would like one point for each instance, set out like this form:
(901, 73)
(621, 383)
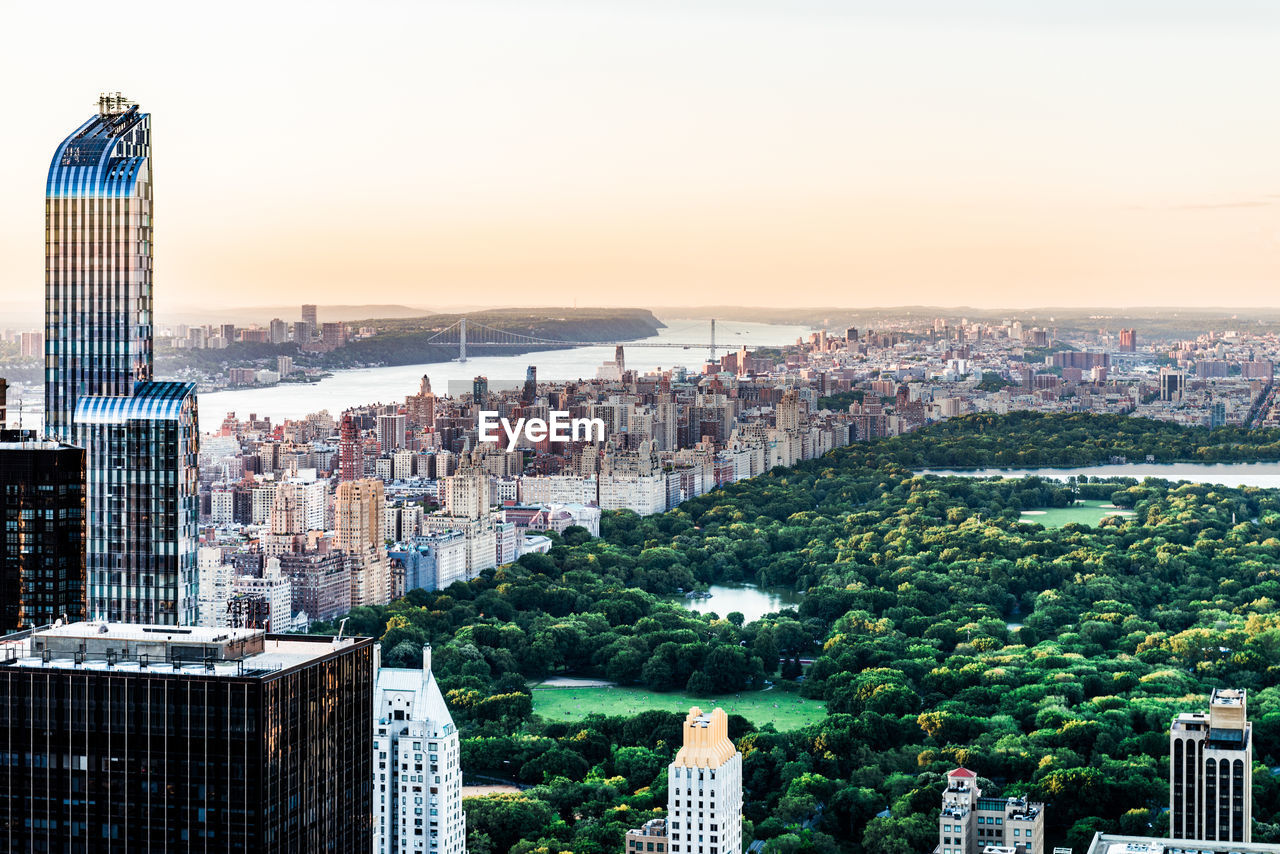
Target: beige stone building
(649, 839)
(1211, 771)
(357, 511)
(972, 824)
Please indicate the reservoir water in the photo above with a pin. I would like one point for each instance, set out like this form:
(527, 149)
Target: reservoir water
(753, 602)
(1222, 474)
(384, 385)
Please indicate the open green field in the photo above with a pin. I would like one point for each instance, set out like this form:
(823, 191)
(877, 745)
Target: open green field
(1084, 513)
(784, 711)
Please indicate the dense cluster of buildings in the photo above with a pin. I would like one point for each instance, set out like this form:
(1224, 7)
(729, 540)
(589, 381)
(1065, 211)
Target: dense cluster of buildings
(455, 503)
(413, 498)
(924, 373)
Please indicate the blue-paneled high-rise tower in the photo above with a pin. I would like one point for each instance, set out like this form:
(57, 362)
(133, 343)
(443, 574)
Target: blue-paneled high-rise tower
(141, 437)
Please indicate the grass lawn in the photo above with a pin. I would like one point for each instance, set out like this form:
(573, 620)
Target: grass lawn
(784, 711)
(1084, 513)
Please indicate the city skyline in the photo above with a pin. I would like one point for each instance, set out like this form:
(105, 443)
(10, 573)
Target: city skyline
(842, 580)
(595, 152)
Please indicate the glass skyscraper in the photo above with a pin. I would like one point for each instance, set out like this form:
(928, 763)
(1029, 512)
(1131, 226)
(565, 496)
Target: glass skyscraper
(141, 437)
(98, 262)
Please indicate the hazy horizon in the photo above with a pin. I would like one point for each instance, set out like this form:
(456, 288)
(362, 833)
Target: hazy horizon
(843, 155)
(30, 315)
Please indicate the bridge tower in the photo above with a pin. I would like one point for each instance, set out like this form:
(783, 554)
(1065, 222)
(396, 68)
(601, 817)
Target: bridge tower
(462, 339)
(712, 360)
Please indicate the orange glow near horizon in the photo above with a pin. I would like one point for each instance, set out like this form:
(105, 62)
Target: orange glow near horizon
(664, 153)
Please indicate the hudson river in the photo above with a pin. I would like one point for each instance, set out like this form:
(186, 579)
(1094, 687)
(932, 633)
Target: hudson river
(385, 385)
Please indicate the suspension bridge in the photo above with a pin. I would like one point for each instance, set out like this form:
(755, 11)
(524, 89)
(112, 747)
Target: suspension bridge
(471, 335)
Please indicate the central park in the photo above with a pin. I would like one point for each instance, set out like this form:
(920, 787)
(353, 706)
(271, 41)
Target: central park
(949, 621)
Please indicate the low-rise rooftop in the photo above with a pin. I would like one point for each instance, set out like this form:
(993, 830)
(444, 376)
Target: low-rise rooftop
(1110, 843)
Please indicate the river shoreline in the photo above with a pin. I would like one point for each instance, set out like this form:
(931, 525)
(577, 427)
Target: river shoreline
(363, 386)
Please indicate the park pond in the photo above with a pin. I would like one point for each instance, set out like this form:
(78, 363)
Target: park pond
(751, 601)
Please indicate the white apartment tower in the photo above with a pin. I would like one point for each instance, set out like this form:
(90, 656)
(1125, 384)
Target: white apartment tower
(274, 588)
(1211, 771)
(216, 578)
(417, 781)
(704, 788)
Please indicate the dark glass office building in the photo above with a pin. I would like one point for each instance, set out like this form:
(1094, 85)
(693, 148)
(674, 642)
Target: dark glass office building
(42, 536)
(128, 738)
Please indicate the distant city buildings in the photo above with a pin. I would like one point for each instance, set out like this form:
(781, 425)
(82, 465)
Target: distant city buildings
(32, 344)
(454, 505)
(332, 336)
(320, 583)
(391, 432)
(1172, 384)
(350, 450)
(466, 493)
(309, 321)
(262, 602)
(1211, 771)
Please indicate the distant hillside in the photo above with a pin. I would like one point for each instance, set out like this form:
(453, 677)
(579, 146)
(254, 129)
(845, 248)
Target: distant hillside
(403, 341)
(244, 315)
(1151, 323)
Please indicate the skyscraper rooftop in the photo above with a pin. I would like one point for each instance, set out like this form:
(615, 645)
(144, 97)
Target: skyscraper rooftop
(127, 648)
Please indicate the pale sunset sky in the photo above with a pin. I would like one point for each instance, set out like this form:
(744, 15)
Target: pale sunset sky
(668, 152)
